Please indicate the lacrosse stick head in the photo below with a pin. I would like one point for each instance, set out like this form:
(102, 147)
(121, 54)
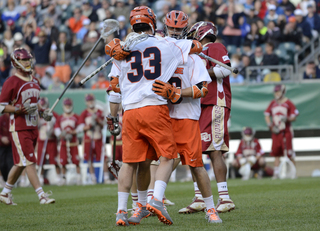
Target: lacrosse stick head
(133, 39)
(108, 27)
(114, 168)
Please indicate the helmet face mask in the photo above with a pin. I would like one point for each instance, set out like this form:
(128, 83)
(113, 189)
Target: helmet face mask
(143, 15)
(67, 106)
(202, 29)
(176, 24)
(279, 91)
(247, 134)
(22, 60)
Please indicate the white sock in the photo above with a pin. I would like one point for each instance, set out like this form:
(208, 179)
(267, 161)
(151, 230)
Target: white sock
(134, 197)
(150, 194)
(209, 202)
(196, 190)
(122, 201)
(276, 171)
(223, 190)
(159, 188)
(142, 197)
(39, 191)
(7, 188)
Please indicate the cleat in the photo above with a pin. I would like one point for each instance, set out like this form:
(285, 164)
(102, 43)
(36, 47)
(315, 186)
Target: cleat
(197, 205)
(134, 207)
(157, 207)
(139, 213)
(212, 216)
(45, 199)
(7, 198)
(225, 205)
(167, 202)
(122, 218)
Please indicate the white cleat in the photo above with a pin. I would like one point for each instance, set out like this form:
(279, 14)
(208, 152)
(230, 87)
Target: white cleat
(45, 199)
(7, 198)
(167, 202)
(197, 205)
(225, 205)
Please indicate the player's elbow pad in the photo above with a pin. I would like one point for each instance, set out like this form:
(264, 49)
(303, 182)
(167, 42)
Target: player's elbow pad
(115, 84)
(200, 90)
(221, 72)
(196, 47)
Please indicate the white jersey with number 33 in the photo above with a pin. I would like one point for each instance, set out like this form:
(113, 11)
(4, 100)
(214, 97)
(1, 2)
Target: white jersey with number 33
(192, 72)
(154, 58)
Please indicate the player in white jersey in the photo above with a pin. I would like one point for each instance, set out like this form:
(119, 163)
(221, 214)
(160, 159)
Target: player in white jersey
(147, 132)
(192, 78)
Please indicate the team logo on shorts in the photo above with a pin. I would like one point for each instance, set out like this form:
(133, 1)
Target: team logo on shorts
(206, 137)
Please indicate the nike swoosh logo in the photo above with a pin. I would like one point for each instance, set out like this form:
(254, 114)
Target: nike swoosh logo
(193, 159)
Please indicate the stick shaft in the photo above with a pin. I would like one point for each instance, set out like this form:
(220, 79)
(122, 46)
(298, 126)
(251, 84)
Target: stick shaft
(234, 70)
(114, 149)
(96, 71)
(43, 153)
(75, 74)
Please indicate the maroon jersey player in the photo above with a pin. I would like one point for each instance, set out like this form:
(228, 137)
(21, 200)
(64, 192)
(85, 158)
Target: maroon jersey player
(249, 155)
(47, 141)
(91, 122)
(215, 108)
(19, 97)
(66, 129)
(283, 112)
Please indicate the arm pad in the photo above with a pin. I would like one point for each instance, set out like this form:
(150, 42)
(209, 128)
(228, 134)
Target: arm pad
(221, 72)
(200, 90)
(196, 47)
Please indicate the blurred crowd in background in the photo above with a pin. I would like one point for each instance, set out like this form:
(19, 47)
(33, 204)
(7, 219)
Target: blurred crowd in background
(61, 33)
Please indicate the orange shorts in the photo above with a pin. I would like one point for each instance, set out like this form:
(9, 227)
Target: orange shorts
(63, 72)
(40, 70)
(145, 129)
(187, 136)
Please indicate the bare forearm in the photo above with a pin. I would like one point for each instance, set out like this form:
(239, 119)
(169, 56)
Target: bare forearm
(9, 109)
(186, 92)
(267, 119)
(114, 107)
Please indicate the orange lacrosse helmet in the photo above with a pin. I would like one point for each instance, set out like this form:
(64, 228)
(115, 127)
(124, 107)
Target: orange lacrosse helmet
(143, 14)
(176, 19)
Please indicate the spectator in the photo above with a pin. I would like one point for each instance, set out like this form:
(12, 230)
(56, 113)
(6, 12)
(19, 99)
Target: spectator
(288, 12)
(76, 53)
(312, 18)
(175, 6)
(244, 27)
(236, 79)
(208, 14)
(262, 28)
(76, 82)
(96, 4)
(287, 5)
(253, 37)
(102, 83)
(123, 31)
(75, 22)
(10, 13)
(62, 55)
(46, 80)
(84, 30)
(270, 58)
(292, 33)
(101, 12)
(256, 60)
(194, 6)
(5, 63)
(279, 10)
(18, 39)
(121, 9)
(2, 25)
(281, 22)
(304, 25)
(53, 12)
(273, 34)
(232, 33)
(56, 84)
(245, 62)
(41, 50)
(50, 29)
(8, 40)
(235, 60)
(12, 26)
(312, 71)
(88, 11)
(247, 49)
(251, 16)
(271, 14)
(87, 69)
(89, 43)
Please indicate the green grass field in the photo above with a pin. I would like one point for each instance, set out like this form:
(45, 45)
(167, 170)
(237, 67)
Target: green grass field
(260, 205)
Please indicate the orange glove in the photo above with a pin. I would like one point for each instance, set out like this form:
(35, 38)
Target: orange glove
(168, 91)
(196, 47)
(200, 90)
(114, 49)
(115, 84)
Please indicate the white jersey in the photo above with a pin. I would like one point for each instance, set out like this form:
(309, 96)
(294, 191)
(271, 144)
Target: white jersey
(187, 75)
(154, 58)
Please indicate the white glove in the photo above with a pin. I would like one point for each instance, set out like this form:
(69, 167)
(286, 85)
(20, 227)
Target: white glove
(30, 108)
(275, 129)
(47, 115)
(252, 160)
(283, 118)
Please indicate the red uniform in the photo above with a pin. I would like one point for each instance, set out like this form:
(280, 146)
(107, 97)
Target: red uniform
(46, 132)
(283, 140)
(215, 107)
(93, 143)
(23, 128)
(251, 148)
(65, 123)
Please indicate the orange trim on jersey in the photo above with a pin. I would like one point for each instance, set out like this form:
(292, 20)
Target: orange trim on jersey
(179, 48)
(116, 66)
(192, 68)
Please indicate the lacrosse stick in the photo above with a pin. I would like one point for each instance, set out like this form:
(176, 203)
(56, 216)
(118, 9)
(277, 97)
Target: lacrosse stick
(131, 40)
(286, 167)
(43, 153)
(114, 167)
(108, 28)
(103, 153)
(234, 70)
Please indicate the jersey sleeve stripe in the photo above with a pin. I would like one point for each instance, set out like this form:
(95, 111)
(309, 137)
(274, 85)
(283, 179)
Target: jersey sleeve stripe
(179, 48)
(192, 68)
